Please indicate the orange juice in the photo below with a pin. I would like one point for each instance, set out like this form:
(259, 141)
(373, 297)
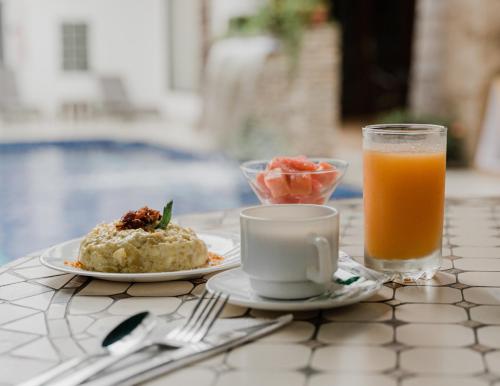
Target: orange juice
(404, 203)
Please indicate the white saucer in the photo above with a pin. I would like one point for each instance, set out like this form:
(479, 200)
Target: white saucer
(225, 245)
(236, 284)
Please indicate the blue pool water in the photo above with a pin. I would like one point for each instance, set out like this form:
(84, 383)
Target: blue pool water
(51, 192)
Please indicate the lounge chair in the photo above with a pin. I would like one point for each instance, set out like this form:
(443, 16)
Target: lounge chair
(11, 104)
(116, 101)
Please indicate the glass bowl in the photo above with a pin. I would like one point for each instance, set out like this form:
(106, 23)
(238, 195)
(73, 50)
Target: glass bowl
(294, 187)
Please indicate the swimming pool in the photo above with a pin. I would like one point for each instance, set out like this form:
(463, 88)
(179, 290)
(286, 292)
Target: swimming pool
(54, 191)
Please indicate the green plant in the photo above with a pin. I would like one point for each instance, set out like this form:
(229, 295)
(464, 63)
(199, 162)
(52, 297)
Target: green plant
(455, 147)
(284, 19)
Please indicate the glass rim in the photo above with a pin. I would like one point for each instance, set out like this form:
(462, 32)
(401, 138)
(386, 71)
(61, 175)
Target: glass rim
(246, 213)
(405, 128)
(340, 165)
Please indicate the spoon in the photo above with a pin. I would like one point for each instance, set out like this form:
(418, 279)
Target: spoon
(121, 341)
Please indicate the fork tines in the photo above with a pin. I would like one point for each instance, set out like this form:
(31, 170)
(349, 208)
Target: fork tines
(202, 318)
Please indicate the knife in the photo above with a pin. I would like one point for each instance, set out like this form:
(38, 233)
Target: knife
(173, 360)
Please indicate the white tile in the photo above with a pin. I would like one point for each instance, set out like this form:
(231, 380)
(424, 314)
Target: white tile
(384, 293)
(480, 279)
(37, 272)
(439, 279)
(453, 361)
(34, 324)
(23, 262)
(371, 312)
(439, 335)
(103, 287)
(482, 295)
(155, 305)
(7, 278)
(493, 362)
(67, 347)
(477, 264)
(446, 264)
(20, 290)
(104, 325)
(198, 290)
(57, 308)
(427, 294)
(58, 328)
(336, 379)
(38, 349)
(212, 362)
(40, 302)
(16, 370)
(169, 288)
(88, 304)
(486, 314)
(261, 378)
(229, 311)
(233, 311)
(353, 359)
(353, 251)
(443, 381)
(10, 312)
(90, 345)
(477, 252)
(298, 315)
(188, 376)
(56, 282)
(355, 333)
(79, 323)
(468, 231)
(430, 313)
(76, 282)
(56, 311)
(11, 339)
(489, 336)
(475, 241)
(269, 356)
(294, 332)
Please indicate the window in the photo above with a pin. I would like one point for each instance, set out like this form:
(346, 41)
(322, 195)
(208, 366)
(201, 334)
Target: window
(74, 47)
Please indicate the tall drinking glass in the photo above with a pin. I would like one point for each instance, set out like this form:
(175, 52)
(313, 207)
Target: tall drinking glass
(404, 180)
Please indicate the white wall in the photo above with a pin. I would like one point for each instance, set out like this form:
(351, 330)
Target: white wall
(126, 38)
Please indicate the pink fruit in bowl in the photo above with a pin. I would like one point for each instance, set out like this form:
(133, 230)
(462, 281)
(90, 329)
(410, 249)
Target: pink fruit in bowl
(294, 180)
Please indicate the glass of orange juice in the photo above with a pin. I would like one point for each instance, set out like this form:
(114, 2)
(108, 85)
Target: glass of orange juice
(404, 167)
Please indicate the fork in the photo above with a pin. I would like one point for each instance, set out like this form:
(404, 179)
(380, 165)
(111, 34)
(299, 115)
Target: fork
(196, 327)
(198, 324)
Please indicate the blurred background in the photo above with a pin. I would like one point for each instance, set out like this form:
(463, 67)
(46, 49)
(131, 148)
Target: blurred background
(110, 105)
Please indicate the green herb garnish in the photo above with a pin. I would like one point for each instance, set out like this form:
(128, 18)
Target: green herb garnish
(347, 281)
(167, 215)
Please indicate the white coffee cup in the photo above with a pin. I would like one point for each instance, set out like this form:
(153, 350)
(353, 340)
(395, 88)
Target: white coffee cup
(289, 251)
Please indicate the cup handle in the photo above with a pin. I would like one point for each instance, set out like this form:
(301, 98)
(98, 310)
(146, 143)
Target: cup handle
(322, 273)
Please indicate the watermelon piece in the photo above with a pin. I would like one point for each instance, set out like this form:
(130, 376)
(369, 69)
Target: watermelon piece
(277, 184)
(316, 186)
(288, 199)
(300, 184)
(329, 176)
(275, 163)
(300, 163)
(261, 184)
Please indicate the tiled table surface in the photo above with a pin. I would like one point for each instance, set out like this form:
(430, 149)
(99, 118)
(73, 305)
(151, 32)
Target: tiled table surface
(442, 332)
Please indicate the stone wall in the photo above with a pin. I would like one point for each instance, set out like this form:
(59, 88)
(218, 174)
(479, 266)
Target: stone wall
(302, 108)
(457, 55)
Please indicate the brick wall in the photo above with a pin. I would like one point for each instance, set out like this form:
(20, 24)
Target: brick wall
(303, 108)
(457, 55)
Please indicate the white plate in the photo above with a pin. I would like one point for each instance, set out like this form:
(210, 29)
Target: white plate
(236, 284)
(225, 245)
